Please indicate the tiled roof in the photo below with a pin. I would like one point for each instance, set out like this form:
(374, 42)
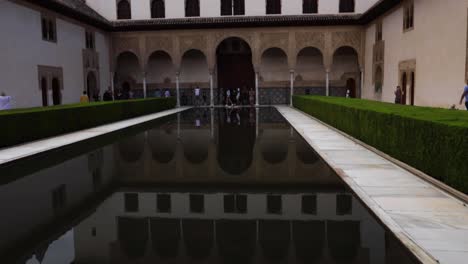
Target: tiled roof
(78, 9)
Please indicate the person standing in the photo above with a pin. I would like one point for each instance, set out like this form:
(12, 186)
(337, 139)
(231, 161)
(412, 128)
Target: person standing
(398, 95)
(228, 97)
(167, 94)
(5, 102)
(84, 98)
(197, 96)
(465, 95)
(238, 96)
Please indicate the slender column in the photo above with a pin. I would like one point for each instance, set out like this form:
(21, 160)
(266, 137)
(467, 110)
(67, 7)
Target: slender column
(144, 84)
(327, 83)
(212, 123)
(177, 89)
(291, 73)
(211, 90)
(257, 103)
(257, 121)
(362, 84)
(112, 75)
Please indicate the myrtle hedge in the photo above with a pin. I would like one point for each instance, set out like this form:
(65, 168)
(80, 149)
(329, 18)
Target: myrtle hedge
(24, 125)
(432, 140)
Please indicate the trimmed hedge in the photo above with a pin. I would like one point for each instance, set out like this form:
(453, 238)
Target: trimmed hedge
(24, 125)
(432, 140)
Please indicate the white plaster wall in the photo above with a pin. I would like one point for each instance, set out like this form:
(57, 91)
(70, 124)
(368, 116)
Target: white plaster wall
(212, 8)
(24, 50)
(438, 43)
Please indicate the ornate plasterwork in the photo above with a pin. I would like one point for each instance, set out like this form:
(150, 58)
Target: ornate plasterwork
(310, 39)
(123, 44)
(157, 43)
(346, 38)
(274, 40)
(197, 42)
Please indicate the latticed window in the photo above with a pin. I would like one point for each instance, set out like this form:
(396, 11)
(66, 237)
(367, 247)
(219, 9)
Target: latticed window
(232, 7)
(239, 7)
(192, 8)
(273, 7)
(310, 6)
(90, 40)
(346, 6)
(378, 32)
(49, 29)
(157, 9)
(408, 22)
(124, 10)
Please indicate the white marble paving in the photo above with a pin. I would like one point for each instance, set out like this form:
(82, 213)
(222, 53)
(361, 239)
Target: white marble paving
(429, 221)
(36, 147)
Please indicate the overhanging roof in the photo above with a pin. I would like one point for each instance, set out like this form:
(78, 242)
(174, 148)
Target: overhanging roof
(77, 9)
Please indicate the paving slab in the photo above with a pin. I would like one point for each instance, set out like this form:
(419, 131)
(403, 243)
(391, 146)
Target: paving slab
(33, 148)
(430, 222)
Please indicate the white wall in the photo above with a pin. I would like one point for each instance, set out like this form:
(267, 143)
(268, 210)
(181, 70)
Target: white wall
(437, 43)
(24, 49)
(212, 8)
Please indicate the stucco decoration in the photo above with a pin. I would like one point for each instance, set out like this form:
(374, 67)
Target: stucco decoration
(310, 39)
(346, 38)
(196, 42)
(159, 43)
(127, 44)
(274, 40)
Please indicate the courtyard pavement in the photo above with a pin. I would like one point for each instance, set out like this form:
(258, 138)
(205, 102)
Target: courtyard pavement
(430, 222)
(28, 149)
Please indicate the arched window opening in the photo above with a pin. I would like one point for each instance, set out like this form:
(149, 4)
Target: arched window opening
(232, 7)
(273, 7)
(192, 8)
(124, 10)
(378, 80)
(310, 6)
(346, 6)
(158, 9)
(56, 94)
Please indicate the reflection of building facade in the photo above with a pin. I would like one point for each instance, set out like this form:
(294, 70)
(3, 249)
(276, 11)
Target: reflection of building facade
(306, 47)
(330, 228)
(225, 151)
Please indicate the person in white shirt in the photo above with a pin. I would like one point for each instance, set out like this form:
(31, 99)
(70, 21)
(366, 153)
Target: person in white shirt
(167, 94)
(5, 102)
(197, 96)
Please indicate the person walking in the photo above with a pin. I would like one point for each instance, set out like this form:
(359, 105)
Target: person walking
(465, 95)
(5, 102)
(167, 94)
(84, 98)
(238, 97)
(398, 95)
(197, 96)
(228, 97)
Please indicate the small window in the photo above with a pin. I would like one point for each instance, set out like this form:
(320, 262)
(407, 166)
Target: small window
(192, 8)
(235, 204)
(197, 203)
(131, 202)
(344, 204)
(273, 7)
(274, 204)
(378, 32)
(309, 204)
(310, 6)
(163, 203)
(346, 6)
(90, 40)
(124, 10)
(49, 29)
(59, 198)
(158, 9)
(408, 16)
(232, 7)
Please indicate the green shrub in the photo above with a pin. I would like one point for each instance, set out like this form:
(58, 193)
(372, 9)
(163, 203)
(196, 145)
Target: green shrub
(432, 140)
(24, 125)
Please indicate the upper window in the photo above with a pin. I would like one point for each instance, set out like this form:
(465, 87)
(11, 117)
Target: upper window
(90, 40)
(378, 32)
(157, 9)
(192, 8)
(49, 29)
(346, 6)
(310, 6)
(124, 10)
(273, 7)
(408, 17)
(232, 7)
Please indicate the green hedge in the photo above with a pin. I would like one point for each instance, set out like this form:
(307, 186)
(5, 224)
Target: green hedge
(24, 125)
(432, 140)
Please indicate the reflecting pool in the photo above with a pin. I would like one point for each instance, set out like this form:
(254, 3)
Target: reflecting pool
(202, 186)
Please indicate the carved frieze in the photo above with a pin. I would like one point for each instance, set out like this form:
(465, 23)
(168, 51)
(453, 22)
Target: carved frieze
(198, 42)
(347, 38)
(274, 40)
(310, 39)
(122, 44)
(164, 43)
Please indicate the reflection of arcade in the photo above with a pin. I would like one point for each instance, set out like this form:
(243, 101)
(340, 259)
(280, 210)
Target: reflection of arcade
(205, 145)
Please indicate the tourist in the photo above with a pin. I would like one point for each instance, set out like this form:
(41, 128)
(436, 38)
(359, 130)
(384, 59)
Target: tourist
(107, 96)
(465, 95)
(398, 95)
(167, 94)
(197, 96)
(5, 102)
(84, 98)
(238, 96)
(228, 97)
(348, 94)
(252, 97)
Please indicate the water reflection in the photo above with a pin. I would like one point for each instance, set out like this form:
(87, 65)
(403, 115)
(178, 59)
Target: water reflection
(263, 196)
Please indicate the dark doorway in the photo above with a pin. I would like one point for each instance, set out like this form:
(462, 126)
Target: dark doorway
(351, 86)
(404, 82)
(91, 85)
(412, 87)
(44, 92)
(235, 68)
(56, 94)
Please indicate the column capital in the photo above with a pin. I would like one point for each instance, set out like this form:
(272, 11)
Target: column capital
(292, 70)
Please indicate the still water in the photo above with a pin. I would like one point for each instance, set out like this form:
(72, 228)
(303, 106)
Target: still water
(201, 186)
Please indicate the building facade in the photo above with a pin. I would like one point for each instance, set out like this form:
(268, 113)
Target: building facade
(58, 49)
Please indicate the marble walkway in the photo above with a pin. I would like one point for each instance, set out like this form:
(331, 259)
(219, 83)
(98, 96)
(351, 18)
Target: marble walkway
(429, 221)
(24, 150)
